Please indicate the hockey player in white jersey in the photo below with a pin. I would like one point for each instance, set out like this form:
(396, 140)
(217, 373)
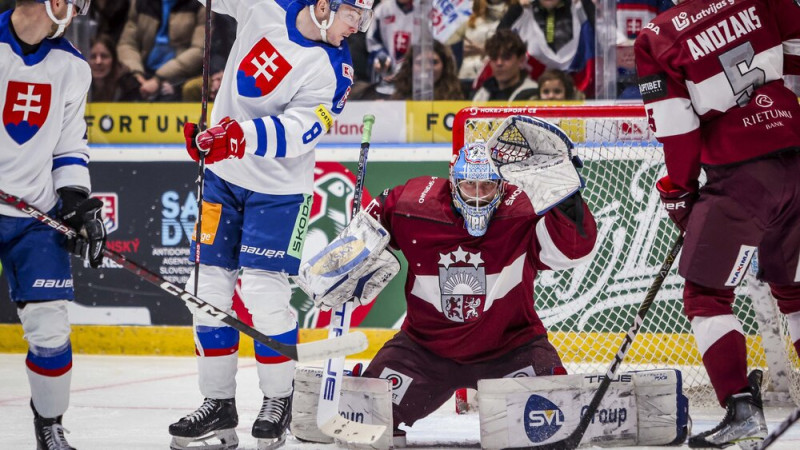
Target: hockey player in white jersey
(44, 160)
(288, 75)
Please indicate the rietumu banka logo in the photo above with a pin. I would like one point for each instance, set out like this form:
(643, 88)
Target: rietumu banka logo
(542, 419)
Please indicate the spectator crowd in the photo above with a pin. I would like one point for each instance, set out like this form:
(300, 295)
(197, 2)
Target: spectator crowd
(507, 50)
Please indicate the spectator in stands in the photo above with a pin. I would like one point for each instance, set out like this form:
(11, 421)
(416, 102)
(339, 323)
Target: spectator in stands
(111, 81)
(559, 35)
(389, 37)
(486, 14)
(555, 84)
(110, 17)
(162, 44)
(224, 34)
(445, 81)
(509, 79)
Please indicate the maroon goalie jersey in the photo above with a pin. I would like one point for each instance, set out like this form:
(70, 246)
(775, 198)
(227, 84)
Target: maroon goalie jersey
(469, 298)
(710, 74)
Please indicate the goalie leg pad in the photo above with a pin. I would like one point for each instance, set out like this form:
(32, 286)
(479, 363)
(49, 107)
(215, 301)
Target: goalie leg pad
(364, 400)
(639, 408)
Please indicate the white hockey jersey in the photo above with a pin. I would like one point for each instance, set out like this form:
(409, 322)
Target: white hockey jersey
(391, 32)
(43, 139)
(284, 90)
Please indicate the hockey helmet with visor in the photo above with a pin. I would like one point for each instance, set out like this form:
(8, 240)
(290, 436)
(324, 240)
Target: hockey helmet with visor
(360, 18)
(79, 7)
(476, 187)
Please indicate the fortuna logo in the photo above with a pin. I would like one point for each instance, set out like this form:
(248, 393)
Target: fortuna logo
(462, 282)
(25, 110)
(261, 71)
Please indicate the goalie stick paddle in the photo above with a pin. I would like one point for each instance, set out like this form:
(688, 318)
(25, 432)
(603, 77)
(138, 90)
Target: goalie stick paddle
(574, 439)
(777, 432)
(329, 420)
(311, 351)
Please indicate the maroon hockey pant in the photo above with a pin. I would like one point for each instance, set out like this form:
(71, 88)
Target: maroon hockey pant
(741, 208)
(423, 381)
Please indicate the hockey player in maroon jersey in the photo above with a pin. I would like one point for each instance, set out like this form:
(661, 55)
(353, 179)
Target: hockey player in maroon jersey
(474, 246)
(711, 76)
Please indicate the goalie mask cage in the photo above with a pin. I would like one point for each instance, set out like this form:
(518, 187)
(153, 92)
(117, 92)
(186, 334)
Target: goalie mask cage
(588, 309)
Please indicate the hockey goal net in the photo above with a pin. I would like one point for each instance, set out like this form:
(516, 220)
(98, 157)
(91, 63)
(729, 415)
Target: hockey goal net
(587, 310)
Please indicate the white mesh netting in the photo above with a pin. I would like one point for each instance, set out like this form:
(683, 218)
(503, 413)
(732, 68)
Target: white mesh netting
(587, 310)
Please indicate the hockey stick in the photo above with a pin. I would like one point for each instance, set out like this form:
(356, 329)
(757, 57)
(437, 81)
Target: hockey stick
(777, 432)
(329, 420)
(311, 351)
(201, 163)
(574, 439)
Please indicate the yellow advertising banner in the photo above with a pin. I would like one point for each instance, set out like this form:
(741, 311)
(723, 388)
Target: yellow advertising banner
(429, 121)
(151, 123)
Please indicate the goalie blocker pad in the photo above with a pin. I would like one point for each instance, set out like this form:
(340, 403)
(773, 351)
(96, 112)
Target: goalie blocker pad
(639, 408)
(356, 265)
(363, 400)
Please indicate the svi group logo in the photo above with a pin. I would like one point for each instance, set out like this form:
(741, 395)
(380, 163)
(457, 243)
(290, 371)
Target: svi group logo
(542, 419)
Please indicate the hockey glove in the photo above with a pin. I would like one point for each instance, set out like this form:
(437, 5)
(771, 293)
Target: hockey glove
(677, 202)
(223, 141)
(83, 214)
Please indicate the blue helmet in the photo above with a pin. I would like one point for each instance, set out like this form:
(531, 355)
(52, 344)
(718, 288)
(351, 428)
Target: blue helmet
(361, 22)
(477, 188)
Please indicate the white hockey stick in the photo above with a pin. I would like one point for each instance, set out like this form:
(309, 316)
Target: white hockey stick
(310, 351)
(329, 420)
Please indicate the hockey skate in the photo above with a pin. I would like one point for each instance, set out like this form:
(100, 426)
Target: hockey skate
(49, 433)
(211, 427)
(272, 421)
(743, 424)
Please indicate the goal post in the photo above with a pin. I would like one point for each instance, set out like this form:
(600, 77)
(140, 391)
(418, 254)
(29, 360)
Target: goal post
(587, 309)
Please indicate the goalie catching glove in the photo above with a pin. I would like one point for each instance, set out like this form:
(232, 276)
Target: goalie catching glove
(536, 156)
(356, 265)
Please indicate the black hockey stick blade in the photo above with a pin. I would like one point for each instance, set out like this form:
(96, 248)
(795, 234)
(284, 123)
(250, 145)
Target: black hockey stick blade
(777, 432)
(574, 439)
(311, 351)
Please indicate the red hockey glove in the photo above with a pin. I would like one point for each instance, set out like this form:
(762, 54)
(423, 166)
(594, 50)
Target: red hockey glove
(677, 202)
(223, 141)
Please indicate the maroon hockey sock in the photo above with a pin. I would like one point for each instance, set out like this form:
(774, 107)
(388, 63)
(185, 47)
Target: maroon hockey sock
(726, 364)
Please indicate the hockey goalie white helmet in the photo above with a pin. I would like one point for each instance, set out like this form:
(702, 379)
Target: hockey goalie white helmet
(359, 19)
(477, 188)
(79, 7)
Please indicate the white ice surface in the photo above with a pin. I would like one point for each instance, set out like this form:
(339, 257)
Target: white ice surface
(126, 402)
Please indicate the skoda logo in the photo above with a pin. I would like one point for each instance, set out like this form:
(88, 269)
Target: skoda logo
(763, 101)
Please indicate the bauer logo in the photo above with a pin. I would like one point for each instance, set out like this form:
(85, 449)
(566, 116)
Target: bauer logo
(542, 419)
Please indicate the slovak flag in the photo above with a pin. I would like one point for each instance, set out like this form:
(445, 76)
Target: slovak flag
(26, 108)
(261, 71)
